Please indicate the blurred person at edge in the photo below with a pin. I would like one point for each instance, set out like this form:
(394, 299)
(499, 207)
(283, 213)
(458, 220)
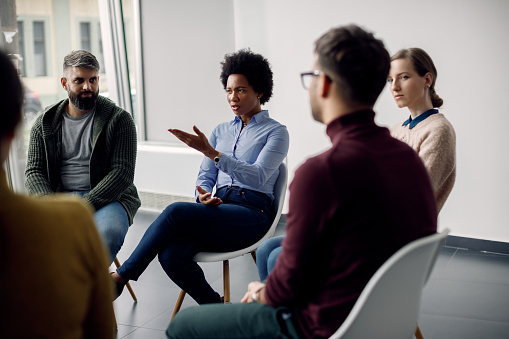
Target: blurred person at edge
(54, 281)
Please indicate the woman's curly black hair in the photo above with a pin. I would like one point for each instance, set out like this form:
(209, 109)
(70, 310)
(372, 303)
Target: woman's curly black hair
(254, 67)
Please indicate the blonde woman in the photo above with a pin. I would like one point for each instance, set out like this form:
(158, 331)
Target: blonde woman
(412, 79)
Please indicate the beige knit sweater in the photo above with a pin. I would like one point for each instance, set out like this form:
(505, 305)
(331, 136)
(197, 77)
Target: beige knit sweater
(435, 142)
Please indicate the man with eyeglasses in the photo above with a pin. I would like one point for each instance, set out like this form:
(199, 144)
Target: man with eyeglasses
(86, 145)
(351, 207)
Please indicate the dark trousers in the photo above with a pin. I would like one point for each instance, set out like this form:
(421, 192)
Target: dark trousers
(233, 321)
(184, 229)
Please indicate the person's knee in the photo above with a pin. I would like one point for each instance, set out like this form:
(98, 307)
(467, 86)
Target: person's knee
(182, 324)
(263, 250)
(272, 259)
(175, 209)
(113, 234)
(267, 247)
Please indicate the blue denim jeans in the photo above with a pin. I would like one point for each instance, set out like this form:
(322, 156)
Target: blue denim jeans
(184, 229)
(266, 255)
(112, 224)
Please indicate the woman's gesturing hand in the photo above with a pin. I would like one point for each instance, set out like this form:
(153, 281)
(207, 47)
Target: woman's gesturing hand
(199, 141)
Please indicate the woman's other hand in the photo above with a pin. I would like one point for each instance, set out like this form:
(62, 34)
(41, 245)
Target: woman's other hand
(206, 198)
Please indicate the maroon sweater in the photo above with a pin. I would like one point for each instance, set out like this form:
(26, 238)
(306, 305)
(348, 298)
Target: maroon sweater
(351, 208)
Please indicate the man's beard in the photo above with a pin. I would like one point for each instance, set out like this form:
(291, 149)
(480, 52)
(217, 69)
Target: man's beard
(83, 104)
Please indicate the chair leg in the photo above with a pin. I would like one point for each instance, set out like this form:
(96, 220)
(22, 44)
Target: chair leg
(418, 333)
(226, 281)
(131, 292)
(226, 287)
(128, 285)
(115, 325)
(253, 255)
(178, 305)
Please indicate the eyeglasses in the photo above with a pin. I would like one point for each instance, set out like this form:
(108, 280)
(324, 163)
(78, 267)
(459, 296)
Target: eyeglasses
(306, 77)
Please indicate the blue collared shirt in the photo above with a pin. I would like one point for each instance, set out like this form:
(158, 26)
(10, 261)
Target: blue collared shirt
(250, 156)
(420, 118)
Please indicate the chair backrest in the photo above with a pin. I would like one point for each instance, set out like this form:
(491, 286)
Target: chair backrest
(388, 307)
(279, 199)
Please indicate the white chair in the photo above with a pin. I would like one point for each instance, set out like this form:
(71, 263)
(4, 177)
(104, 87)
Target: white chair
(388, 307)
(279, 198)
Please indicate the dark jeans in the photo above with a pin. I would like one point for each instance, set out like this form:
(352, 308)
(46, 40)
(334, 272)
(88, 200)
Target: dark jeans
(184, 229)
(234, 321)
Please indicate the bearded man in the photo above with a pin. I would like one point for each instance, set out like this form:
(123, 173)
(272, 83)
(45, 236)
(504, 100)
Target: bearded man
(86, 145)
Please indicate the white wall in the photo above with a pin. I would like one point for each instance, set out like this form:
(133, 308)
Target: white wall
(183, 44)
(467, 40)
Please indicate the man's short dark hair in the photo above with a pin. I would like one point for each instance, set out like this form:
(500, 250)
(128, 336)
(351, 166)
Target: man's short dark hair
(254, 67)
(11, 96)
(80, 58)
(356, 61)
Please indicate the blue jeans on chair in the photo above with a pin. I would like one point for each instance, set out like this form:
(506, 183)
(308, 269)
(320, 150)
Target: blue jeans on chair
(184, 229)
(266, 255)
(112, 224)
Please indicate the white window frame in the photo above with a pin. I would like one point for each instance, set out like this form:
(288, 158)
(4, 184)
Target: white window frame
(28, 42)
(115, 59)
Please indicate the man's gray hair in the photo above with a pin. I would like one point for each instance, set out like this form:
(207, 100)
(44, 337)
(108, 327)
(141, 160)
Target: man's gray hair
(82, 59)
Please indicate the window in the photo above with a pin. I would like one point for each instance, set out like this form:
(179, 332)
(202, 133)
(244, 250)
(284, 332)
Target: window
(21, 41)
(43, 37)
(100, 55)
(85, 36)
(39, 49)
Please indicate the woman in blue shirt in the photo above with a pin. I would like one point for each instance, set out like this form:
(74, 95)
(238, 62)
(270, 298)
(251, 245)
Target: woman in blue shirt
(241, 161)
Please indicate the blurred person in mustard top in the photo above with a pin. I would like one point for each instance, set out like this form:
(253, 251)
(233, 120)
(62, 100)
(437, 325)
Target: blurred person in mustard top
(54, 281)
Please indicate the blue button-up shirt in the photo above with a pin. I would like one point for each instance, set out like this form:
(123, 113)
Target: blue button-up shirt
(250, 156)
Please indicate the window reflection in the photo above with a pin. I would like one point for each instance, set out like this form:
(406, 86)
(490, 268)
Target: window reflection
(21, 43)
(39, 49)
(85, 36)
(40, 33)
(127, 16)
(43, 32)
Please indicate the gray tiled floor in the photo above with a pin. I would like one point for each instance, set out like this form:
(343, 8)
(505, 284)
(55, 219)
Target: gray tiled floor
(466, 297)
